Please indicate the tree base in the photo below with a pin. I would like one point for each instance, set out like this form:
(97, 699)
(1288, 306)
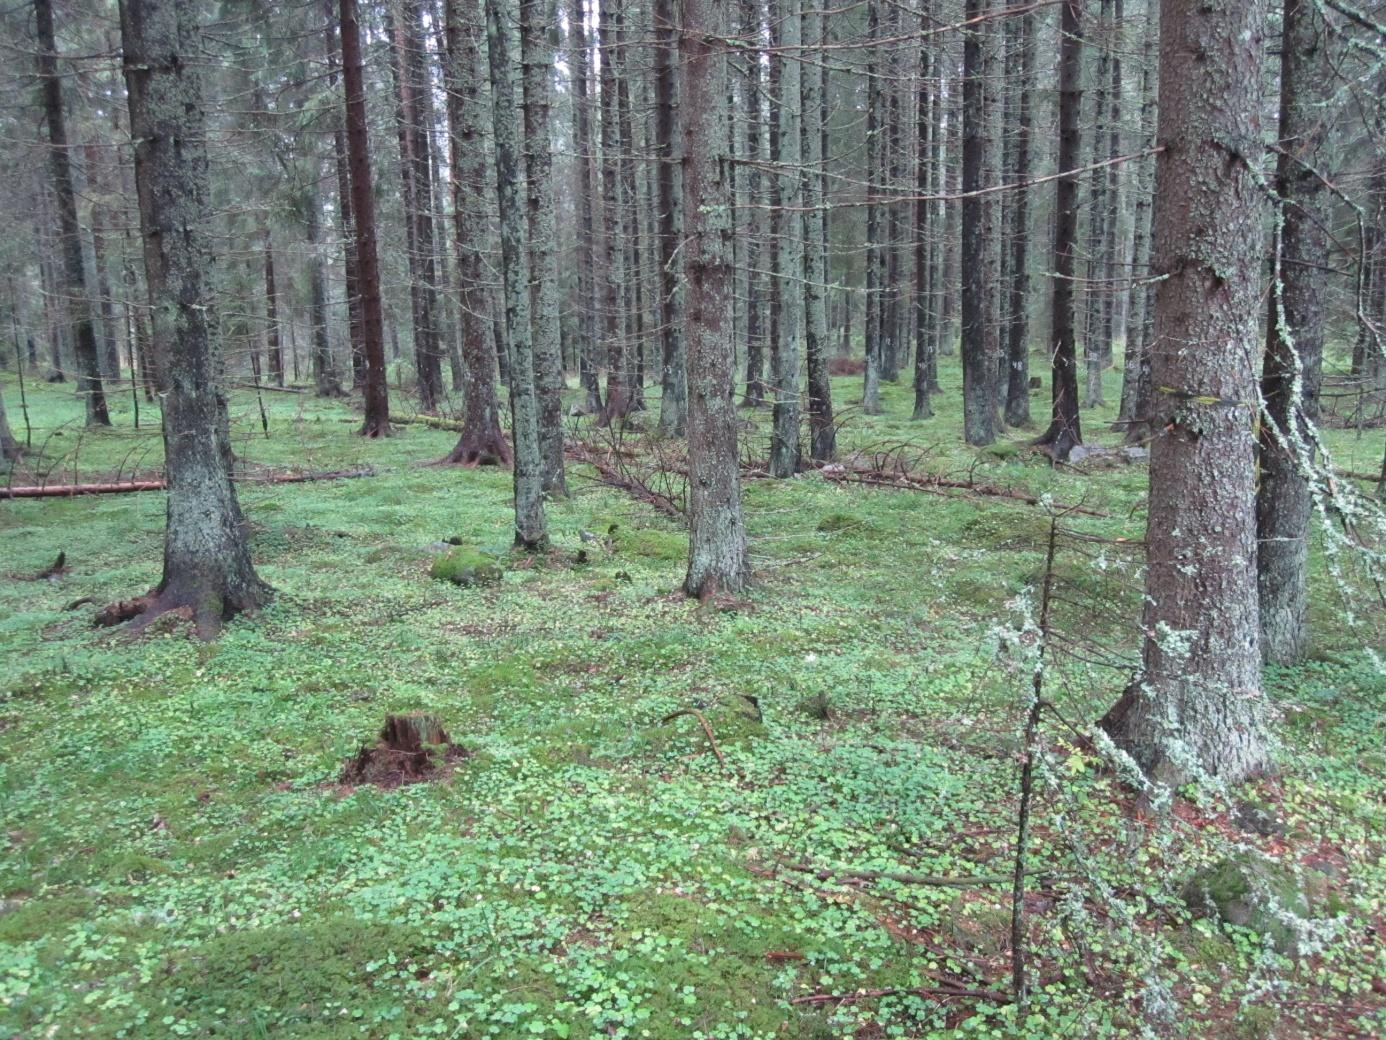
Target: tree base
(208, 611)
(480, 448)
(376, 426)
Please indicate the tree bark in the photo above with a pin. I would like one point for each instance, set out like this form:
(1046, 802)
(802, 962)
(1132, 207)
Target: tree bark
(586, 190)
(784, 435)
(717, 560)
(531, 531)
(673, 404)
(1018, 329)
(538, 25)
(1197, 707)
(1294, 345)
(1135, 375)
(979, 425)
(822, 432)
(481, 441)
(207, 566)
(377, 421)
(1065, 430)
(325, 382)
(65, 198)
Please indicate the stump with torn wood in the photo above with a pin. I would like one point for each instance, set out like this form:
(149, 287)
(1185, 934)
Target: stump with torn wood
(411, 747)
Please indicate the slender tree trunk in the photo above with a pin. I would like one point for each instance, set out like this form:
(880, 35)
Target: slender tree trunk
(923, 232)
(346, 225)
(1018, 343)
(1065, 430)
(978, 412)
(530, 528)
(1097, 289)
(717, 560)
(377, 422)
(618, 397)
(673, 404)
(1294, 345)
(755, 298)
(276, 347)
(65, 198)
(871, 330)
(822, 433)
(586, 190)
(325, 382)
(784, 436)
(481, 441)
(538, 27)
(207, 567)
(1131, 416)
(1198, 707)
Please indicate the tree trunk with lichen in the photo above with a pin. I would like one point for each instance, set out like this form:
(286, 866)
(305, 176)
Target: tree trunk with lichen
(1197, 708)
(717, 559)
(673, 402)
(531, 532)
(538, 26)
(979, 413)
(207, 567)
(784, 433)
(1293, 364)
(822, 432)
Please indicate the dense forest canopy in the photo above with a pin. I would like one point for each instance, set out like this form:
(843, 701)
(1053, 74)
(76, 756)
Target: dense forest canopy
(858, 520)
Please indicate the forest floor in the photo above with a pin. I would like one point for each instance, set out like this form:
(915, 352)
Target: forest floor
(181, 858)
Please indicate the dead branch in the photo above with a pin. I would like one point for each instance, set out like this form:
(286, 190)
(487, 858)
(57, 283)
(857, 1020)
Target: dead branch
(943, 989)
(707, 728)
(158, 484)
(630, 484)
(934, 483)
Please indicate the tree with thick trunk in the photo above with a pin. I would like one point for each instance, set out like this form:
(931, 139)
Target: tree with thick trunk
(65, 197)
(481, 441)
(717, 560)
(1197, 708)
(673, 403)
(538, 26)
(531, 532)
(1294, 345)
(207, 567)
(1065, 431)
(10, 449)
(979, 413)
(377, 422)
(784, 433)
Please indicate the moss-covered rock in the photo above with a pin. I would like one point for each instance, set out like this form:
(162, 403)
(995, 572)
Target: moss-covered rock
(466, 567)
(1250, 893)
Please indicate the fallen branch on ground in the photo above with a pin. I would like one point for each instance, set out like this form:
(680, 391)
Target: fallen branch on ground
(941, 990)
(940, 485)
(613, 478)
(125, 486)
(707, 728)
(935, 880)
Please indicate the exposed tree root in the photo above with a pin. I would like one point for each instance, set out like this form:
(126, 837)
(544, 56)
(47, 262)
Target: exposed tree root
(480, 448)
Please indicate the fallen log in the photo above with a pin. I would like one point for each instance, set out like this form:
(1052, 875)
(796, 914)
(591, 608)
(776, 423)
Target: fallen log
(126, 486)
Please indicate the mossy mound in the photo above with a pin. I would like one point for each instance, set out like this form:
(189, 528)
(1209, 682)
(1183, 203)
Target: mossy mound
(652, 544)
(466, 567)
(1249, 893)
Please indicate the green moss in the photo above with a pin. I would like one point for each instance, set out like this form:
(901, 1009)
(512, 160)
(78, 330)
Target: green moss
(465, 567)
(652, 544)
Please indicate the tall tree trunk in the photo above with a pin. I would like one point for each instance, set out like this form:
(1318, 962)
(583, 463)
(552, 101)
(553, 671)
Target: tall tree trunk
(325, 382)
(207, 567)
(923, 232)
(1097, 288)
(673, 404)
(618, 396)
(1294, 345)
(346, 225)
(784, 436)
(377, 422)
(481, 441)
(531, 532)
(755, 298)
(1135, 374)
(586, 192)
(1198, 707)
(1018, 330)
(871, 329)
(10, 449)
(978, 412)
(272, 336)
(1065, 431)
(717, 560)
(822, 433)
(65, 199)
(538, 26)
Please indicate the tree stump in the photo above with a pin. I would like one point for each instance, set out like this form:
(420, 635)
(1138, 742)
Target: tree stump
(410, 748)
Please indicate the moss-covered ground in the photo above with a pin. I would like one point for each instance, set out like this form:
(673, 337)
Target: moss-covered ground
(179, 858)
